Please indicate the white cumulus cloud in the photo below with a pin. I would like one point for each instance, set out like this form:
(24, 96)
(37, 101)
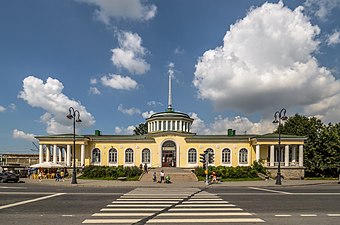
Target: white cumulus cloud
(124, 130)
(334, 38)
(242, 125)
(126, 9)
(146, 115)
(130, 111)
(93, 81)
(49, 97)
(94, 91)
(2, 109)
(266, 63)
(119, 82)
(18, 134)
(321, 8)
(130, 53)
(154, 103)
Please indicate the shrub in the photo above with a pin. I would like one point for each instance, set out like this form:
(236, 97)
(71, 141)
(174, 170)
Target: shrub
(233, 172)
(110, 172)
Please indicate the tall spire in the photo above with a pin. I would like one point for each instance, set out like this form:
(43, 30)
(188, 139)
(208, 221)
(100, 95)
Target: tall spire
(169, 97)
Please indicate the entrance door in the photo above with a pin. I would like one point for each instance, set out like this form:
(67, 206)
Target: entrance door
(169, 154)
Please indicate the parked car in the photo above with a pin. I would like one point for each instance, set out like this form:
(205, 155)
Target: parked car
(8, 176)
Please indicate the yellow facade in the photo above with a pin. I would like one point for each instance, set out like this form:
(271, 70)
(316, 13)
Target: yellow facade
(170, 142)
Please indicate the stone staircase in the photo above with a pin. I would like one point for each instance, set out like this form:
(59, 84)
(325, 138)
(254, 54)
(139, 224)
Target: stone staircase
(176, 174)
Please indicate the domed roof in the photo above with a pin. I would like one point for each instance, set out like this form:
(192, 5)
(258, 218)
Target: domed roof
(168, 114)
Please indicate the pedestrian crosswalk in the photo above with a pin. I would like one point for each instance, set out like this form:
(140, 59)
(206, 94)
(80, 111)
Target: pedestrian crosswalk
(171, 206)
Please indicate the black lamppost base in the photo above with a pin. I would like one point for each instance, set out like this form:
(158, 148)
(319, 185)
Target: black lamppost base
(74, 177)
(278, 179)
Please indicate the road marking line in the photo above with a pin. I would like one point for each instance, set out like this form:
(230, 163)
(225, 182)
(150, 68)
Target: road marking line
(200, 202)
(145, 202)
(122, 214)
(131, 221)
(282, 215)
(206, 214)
(141, 205)
(67, 215)
(210, 220)
(31, 200)
(332, 214)
(204, 205)
(156, 194)
(150, 199)
(308, 215)
(205, 209)
(132, 209)
(269, 190)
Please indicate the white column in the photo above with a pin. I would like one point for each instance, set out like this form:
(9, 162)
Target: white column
(272, 154)
(55, 153)
(257, 153)
(166, 125)
(149, 130)
(176, 129)
(82, 155)
(180, 125)
(68, 155)
(287, 155)
(300, 155)
(41, 154)
(48, 154)
(294, 154)
(60, 154)
(63, 151)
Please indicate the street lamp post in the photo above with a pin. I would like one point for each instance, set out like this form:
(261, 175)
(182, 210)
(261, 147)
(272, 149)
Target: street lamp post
(72, 115)
(279, 116)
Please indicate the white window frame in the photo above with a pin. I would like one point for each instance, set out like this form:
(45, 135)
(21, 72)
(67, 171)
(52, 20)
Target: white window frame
(241, 158)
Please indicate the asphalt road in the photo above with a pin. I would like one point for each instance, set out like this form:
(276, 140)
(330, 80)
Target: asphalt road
(49, 205)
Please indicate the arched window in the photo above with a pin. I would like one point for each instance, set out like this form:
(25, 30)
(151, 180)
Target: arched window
(243, 156)
(192, 155)
(113, 155)
(129, 155)
(96, 155)
(146, 155)
(226, 156)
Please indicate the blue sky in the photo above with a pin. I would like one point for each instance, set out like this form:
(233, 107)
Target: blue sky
(233, 63)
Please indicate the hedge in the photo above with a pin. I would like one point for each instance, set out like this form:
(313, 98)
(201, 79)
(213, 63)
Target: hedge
(233, 172)
(110, 172)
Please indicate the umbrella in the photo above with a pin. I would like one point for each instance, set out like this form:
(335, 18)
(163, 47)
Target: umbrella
(47, 165)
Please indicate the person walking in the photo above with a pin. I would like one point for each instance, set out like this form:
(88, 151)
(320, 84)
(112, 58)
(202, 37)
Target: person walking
(146, 168)
(154, 177)
(162, 174)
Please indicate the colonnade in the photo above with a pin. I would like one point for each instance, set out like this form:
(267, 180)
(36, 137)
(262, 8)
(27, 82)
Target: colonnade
(60, 154)
(294, 161)
(169, 125)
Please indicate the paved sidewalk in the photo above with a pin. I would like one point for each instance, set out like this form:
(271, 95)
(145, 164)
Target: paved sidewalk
(115, 183)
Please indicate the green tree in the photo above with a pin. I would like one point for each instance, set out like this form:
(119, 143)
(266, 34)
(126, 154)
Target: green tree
(321, 149)
(141, 129)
